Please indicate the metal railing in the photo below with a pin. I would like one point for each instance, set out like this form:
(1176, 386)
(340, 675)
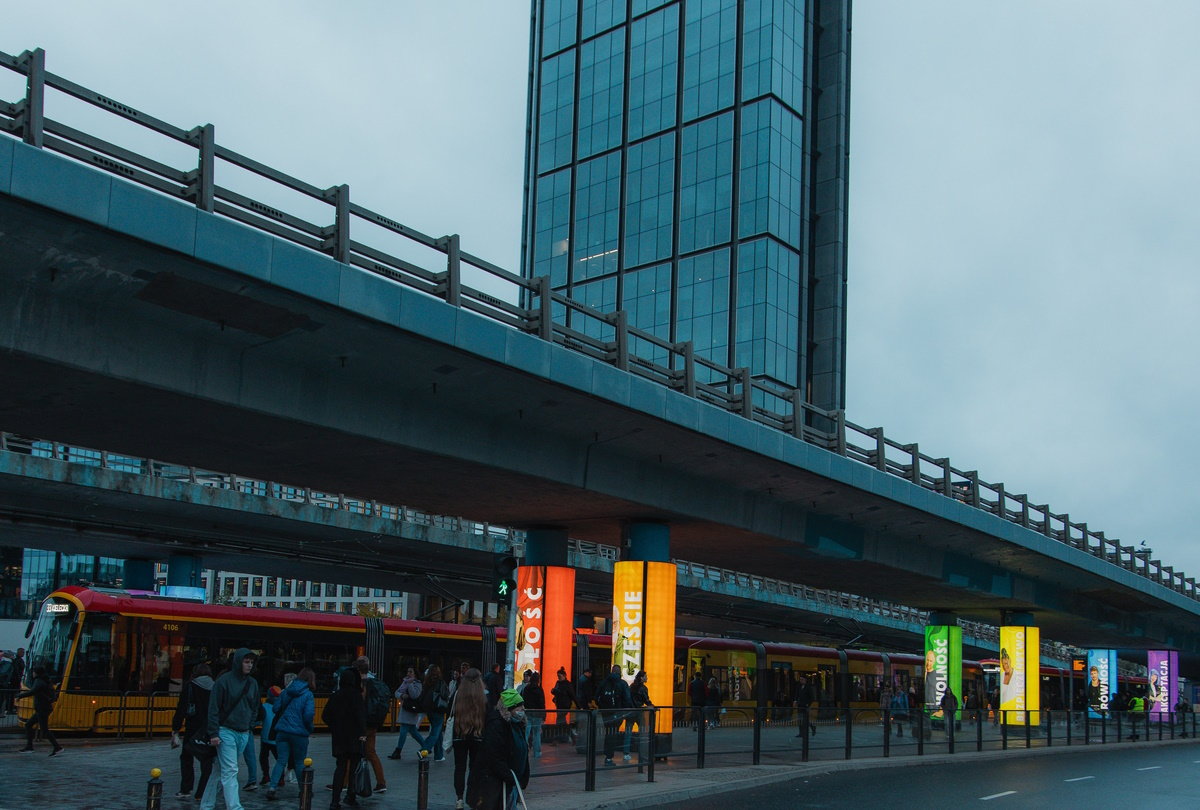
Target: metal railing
(528, 304)
(44, 448)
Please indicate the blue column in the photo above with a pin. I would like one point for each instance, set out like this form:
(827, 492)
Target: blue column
(139, 575)
(546, 545)
(185, 570)
(648, 542)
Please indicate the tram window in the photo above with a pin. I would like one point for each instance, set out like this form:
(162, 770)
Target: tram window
(272, 586)
(93, 659)
(257, 588)
(328, 658)
(285, 588)
(347, 590)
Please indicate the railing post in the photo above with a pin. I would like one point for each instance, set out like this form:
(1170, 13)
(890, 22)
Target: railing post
(207, 170)
(747, 393)
(622, 339)
(1028, 737)
(887, 732)
(589, 767)
(804, 733)
(973, 477)
(1068, 728)
(453, 270)
(1049, 729)
(880, 450)
(1003, 729)
(545, 324)
(341, 224)
(920, 731)
(915, 473)
(979, 729)
(689, 368)
(849, 730)
(950, 730)
(1120, 731)
(651, 746)
(841, 432)
(35, 98)
(1001, 506)
(700, 732)
(154, 790)
(758, 710)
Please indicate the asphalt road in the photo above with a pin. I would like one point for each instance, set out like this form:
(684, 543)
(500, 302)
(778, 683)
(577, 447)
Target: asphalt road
(1166, 777)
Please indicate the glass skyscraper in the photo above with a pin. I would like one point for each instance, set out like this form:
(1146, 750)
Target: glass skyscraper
(687, 162)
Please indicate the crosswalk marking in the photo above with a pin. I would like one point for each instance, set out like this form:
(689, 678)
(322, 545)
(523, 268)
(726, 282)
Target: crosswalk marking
(1151, 768)
(996, 795)
(1079, 778)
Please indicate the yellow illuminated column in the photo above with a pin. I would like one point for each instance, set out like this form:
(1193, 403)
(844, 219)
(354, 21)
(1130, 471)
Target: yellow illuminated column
(1020, 674)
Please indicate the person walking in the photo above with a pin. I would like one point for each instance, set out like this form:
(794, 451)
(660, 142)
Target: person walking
(8, 683)
(614, 702)
(295, 709)
(346, 716)
(408, 693)
(232, 708)
(563, 694)
(697, 694)
(585, 692)
(535, 712)
(712, 703)
(503, 757)
(949, 706)
(493, 682)
(266, 745)
(805, 695)
(900, 711)
(17, 676)
(639, 696)
(469, 711)
(191, 719)
(435, 700)
(378, 697)
(43, 695)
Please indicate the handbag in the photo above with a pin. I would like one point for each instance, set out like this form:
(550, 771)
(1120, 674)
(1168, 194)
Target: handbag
(362, 779)
(448, 735)
(271, 732)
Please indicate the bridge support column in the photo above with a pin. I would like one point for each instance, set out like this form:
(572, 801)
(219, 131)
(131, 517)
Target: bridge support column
(1020, 668)
(139, 575)
(943, 663)
(545, 607)
(184, 570)
(644, 617)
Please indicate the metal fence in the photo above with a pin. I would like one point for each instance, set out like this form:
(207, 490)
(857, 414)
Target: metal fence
(527, 304)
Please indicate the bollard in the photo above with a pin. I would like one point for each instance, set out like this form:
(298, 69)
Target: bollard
(758, 734)
(423, 784)
(589, 768)
(154, 790)
(306, 785)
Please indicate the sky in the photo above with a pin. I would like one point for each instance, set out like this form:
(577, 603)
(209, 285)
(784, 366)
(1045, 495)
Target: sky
(1024, 205)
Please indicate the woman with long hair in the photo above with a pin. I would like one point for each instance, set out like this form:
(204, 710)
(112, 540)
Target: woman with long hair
(469, 711)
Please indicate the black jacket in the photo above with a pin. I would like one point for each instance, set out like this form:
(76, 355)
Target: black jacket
(191, 712)
(502, 754)
(585, 692)
(346, 715)
(697, 692)
(535, 701)
(43, 695)
(564, 695)
(640, 695)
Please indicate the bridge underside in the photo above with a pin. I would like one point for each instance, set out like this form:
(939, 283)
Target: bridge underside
(379, 392)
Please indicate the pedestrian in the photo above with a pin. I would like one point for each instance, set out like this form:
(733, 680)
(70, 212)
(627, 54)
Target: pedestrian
(43, 695)
(434, 700)
(8, 684)
(409, 714)
(900, 711)
(525, 676)
(232, 709)
(504, 757)
(712, 703)
(535, 711)
(614, 702)
(639, 696)
(378, 697)
(17, 678)
(949, 706)
(295, 709)
(564, 698)
(493, 682)
(994, 705)
(805, 695)
(470, 713)
(697, 694)
(266, 745)
(346, 716)
(191, 719)
(885, 708)
(585, 692)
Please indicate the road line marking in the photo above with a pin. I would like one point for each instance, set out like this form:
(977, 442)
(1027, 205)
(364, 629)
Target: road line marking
(1079, 778)
(1151, 768)
(996, 795)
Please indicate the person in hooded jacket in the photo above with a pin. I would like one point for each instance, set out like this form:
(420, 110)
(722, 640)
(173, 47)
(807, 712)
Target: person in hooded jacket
(535, 712)
(190, 719)
(346, 716)
(410, 687)
(295, 708)
(232, 709)
(503, 757)
(43, 703)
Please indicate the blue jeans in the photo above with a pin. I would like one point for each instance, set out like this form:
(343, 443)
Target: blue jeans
(250, 756)
(288, 746)
(233, 743)
(409, 730)
(433, 743)
(533, 736)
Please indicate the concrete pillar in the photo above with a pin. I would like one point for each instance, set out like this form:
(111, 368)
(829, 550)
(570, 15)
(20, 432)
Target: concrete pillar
(139, 575)
(185, 570)
(545, 545)
(649, 542)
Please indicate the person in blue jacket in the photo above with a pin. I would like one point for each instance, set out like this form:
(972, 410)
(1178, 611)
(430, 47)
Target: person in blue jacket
(296, 709)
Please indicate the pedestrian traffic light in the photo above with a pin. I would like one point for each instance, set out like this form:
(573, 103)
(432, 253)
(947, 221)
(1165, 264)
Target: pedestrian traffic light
(504, 578)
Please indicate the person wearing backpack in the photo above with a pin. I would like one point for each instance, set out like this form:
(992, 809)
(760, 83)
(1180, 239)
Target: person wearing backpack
(379, 700)
(434, 702)
(613, 700)
(294, 712)
(43, 703)
(190, 718)
(408, 694)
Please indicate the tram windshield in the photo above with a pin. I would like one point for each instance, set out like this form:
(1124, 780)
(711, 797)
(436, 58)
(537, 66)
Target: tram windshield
(50, 642)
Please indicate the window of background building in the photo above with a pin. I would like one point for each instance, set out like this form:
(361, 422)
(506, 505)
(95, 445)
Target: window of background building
(558, 24)
(601, 93)
(272, 586)
(552, 227)
(347, 608)
(648, 302)
(653, 72)
(377, 592)
(285, 588)
(770, 187)
(650, 201)
(600, 15)
(256, 589)
(393, 593)
(768, 304)
(709, 57)
(556, 111)
(597, 217)
(703, 307)
(706, 183)
(347, 590)
(773, 51)
(363, 592)
(243, 586)
(600, 295)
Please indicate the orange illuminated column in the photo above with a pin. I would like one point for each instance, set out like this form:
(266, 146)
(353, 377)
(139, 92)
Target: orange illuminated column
(644, 628)
(545, 606)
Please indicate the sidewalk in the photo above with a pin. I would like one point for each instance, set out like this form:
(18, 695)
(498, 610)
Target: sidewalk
(110, 774)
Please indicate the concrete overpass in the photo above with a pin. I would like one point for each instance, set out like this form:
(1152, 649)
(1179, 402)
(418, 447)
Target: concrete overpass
(150, 310)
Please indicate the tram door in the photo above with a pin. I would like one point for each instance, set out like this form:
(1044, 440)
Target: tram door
(162, 655)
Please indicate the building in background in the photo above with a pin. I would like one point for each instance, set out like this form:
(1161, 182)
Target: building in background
(687, 162)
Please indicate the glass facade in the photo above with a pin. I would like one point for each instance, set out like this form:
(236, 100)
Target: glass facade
(683, 154)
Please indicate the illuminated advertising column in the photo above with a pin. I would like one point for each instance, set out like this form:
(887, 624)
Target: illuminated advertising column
(943, 665)
(545, 607)
(1020, 674)
(643, 633)
(1100, 681)
(1162, 673)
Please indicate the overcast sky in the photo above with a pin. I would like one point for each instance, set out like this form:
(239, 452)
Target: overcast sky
(1024, 213)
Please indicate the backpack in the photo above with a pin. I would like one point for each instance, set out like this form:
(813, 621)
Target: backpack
(379, 700)
(431, 701)
(606, 698)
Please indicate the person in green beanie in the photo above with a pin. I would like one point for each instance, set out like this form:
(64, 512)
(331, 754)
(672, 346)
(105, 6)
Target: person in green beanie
(503, 757)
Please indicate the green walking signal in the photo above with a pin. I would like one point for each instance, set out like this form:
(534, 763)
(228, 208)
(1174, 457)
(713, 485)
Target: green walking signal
(504, 578)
